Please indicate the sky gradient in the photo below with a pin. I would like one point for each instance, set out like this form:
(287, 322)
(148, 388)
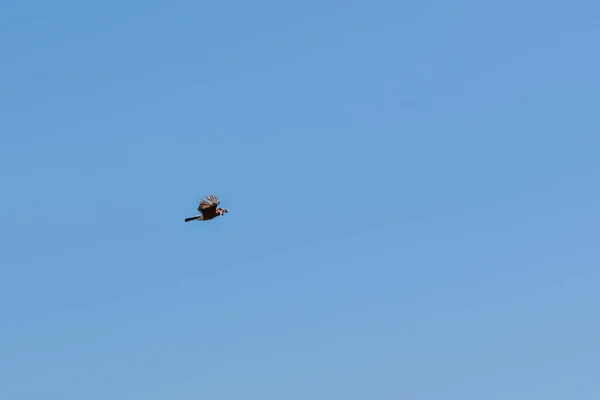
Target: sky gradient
(413, 191)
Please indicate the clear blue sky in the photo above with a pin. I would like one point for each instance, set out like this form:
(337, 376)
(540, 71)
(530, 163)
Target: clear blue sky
(413, 188)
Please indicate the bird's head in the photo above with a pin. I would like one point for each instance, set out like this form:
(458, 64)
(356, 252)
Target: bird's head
(222, 211)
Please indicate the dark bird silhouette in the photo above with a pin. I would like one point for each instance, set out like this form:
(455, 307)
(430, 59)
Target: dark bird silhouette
(208, 209)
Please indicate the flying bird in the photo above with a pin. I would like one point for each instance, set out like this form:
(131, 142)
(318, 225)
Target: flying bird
(208, 209)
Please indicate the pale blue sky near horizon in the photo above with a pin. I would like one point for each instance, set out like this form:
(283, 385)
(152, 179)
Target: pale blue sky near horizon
(413, 191)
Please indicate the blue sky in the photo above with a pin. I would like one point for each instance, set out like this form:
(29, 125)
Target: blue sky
(413, 191)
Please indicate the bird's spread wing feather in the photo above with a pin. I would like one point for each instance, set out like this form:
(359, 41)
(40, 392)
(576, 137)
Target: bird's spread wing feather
(211, 203)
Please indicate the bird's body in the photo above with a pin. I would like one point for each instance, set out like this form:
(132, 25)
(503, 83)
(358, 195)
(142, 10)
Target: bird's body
(208, 209)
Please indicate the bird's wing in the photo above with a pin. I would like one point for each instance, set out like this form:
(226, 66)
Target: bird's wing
(211, 203)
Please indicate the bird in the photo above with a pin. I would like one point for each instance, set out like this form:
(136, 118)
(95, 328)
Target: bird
(208, 209)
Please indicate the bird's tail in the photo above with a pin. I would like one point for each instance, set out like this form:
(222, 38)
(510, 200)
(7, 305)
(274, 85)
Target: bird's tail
(197, 217)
